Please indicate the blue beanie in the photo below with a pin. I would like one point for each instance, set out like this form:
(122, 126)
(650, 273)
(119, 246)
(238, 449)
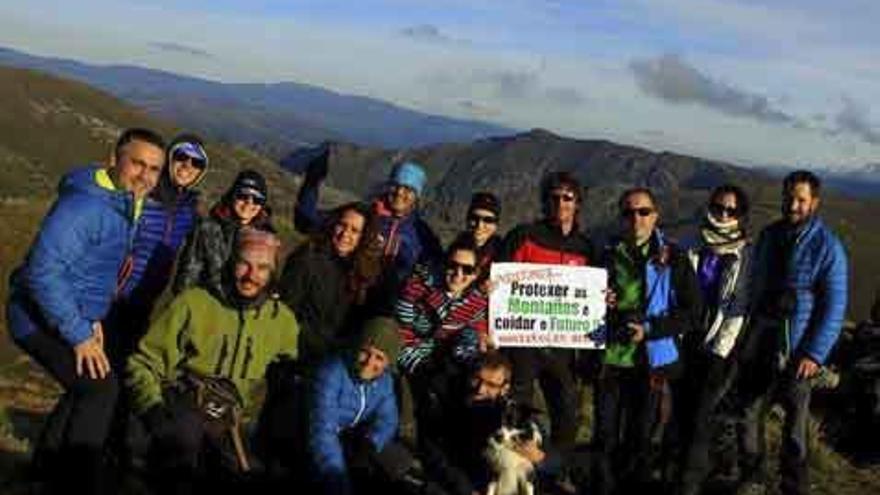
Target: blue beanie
(411, 175)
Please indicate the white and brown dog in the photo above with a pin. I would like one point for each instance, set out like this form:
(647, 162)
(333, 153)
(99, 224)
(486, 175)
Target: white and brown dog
(512, 470)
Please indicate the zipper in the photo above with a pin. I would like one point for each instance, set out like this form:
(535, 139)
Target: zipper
(362, 388)
(237, 344)
(248, 355)
(223, 351)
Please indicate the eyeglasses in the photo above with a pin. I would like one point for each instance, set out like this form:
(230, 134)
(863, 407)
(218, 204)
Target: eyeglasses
(253, 198)
(487, 219)
(642, 212)
(454, 266)
(180, 156)
(562, 197)
(720, 210)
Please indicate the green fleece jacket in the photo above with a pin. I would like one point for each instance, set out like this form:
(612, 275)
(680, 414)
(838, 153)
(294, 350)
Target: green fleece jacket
(199, 334)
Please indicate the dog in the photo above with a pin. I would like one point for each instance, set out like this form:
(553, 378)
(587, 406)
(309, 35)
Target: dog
(512, 471)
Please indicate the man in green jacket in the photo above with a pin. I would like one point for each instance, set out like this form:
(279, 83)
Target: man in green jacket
(195, 369)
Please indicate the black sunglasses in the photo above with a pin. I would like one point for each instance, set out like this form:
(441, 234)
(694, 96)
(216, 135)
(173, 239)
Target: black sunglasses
(719, 210)
(180, 156)
(564, 197)
(243, 196)
(642, 212)
(453, 266)
(489, 219)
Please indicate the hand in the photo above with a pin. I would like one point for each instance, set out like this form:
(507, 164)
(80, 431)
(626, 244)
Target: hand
(531, 451)
(483, 343)
(90, 358)
(807, 368)
(98, 333)
(636, 332)
(610, 298)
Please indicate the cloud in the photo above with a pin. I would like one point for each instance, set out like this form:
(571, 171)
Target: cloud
(565, 96)
(428, 33)
(478, 109)
(518, 85)
(671, 79)
(853, 118)
(178, 48)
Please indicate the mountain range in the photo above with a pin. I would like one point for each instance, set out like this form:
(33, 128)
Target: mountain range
(272, 118)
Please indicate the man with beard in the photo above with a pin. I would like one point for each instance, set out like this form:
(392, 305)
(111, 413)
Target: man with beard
(800, 296)
(196, 368)
(453, 442)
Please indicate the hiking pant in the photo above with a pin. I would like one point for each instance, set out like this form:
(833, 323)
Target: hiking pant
(707, 380)
(553, 370)
(762, 385)
(627, 410)
(71, 445)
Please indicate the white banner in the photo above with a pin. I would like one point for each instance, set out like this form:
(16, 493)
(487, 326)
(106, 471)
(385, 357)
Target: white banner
(536, 305)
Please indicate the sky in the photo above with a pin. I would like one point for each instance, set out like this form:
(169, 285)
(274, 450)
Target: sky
(787, 82)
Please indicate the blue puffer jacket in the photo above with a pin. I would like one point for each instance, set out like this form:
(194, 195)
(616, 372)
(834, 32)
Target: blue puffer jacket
(160, 233)
(69, 276)
(817, 275)
(338, 402)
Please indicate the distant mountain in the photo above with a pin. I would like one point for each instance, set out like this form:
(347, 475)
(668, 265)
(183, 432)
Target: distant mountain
(512, 167)
(272, 118)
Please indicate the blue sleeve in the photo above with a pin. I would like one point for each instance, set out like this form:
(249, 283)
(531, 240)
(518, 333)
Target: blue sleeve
(383, 424)
(63, 239)
(306, 217)
(324, 441)
(833, 287)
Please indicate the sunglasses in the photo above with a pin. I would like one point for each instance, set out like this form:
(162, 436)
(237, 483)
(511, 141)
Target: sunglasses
(720, 210)
(631, 212)
(180, 156)
(487, 219)
(564, 197)
(253, 198)
(454, 266)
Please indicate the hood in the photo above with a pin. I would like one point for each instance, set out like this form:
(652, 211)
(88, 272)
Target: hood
(82, 181)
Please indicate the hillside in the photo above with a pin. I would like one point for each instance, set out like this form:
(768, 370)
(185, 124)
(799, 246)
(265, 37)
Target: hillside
(512, 166)
(48, 125)
(272, 118)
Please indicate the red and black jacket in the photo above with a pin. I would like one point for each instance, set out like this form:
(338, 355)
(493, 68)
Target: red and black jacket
(544, 242)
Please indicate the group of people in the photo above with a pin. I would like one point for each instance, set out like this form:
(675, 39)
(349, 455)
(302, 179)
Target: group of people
(372, 341)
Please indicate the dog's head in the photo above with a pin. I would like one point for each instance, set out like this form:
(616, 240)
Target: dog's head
(512, 435)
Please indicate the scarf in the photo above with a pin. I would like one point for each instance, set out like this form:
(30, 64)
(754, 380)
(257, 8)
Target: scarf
(722, 237)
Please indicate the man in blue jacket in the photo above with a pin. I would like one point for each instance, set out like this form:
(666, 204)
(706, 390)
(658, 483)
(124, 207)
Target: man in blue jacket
(353, 411)
(61, 293)
(800, 297)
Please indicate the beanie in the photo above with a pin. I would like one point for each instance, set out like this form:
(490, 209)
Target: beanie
(411, 175)
(485, 201)
(254, 240)
(382, 333)
(251, 182)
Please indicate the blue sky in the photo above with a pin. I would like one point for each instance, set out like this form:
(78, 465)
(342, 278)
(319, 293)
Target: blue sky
(788, 82)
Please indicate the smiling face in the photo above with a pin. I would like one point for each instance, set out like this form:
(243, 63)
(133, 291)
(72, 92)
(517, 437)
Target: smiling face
(253, 271)
(371, 363)
(137, 167)
(401, 200)
(185, 169)
(347, 233)
(563, 205)
(482, 224)
(246, 206)
(799, 203)
(639, 217)
(724, 208)
(461, 270)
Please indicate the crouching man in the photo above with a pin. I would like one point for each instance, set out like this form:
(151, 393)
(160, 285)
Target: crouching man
(194, 371)
(353, 416)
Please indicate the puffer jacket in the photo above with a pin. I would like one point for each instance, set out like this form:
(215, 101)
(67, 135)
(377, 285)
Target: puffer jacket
(340, 401)
(543, 242)
(69, 277)
(814, 275)
(206, 336)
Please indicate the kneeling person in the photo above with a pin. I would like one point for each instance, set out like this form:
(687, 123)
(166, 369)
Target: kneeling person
(353, 413)
(194, 371)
